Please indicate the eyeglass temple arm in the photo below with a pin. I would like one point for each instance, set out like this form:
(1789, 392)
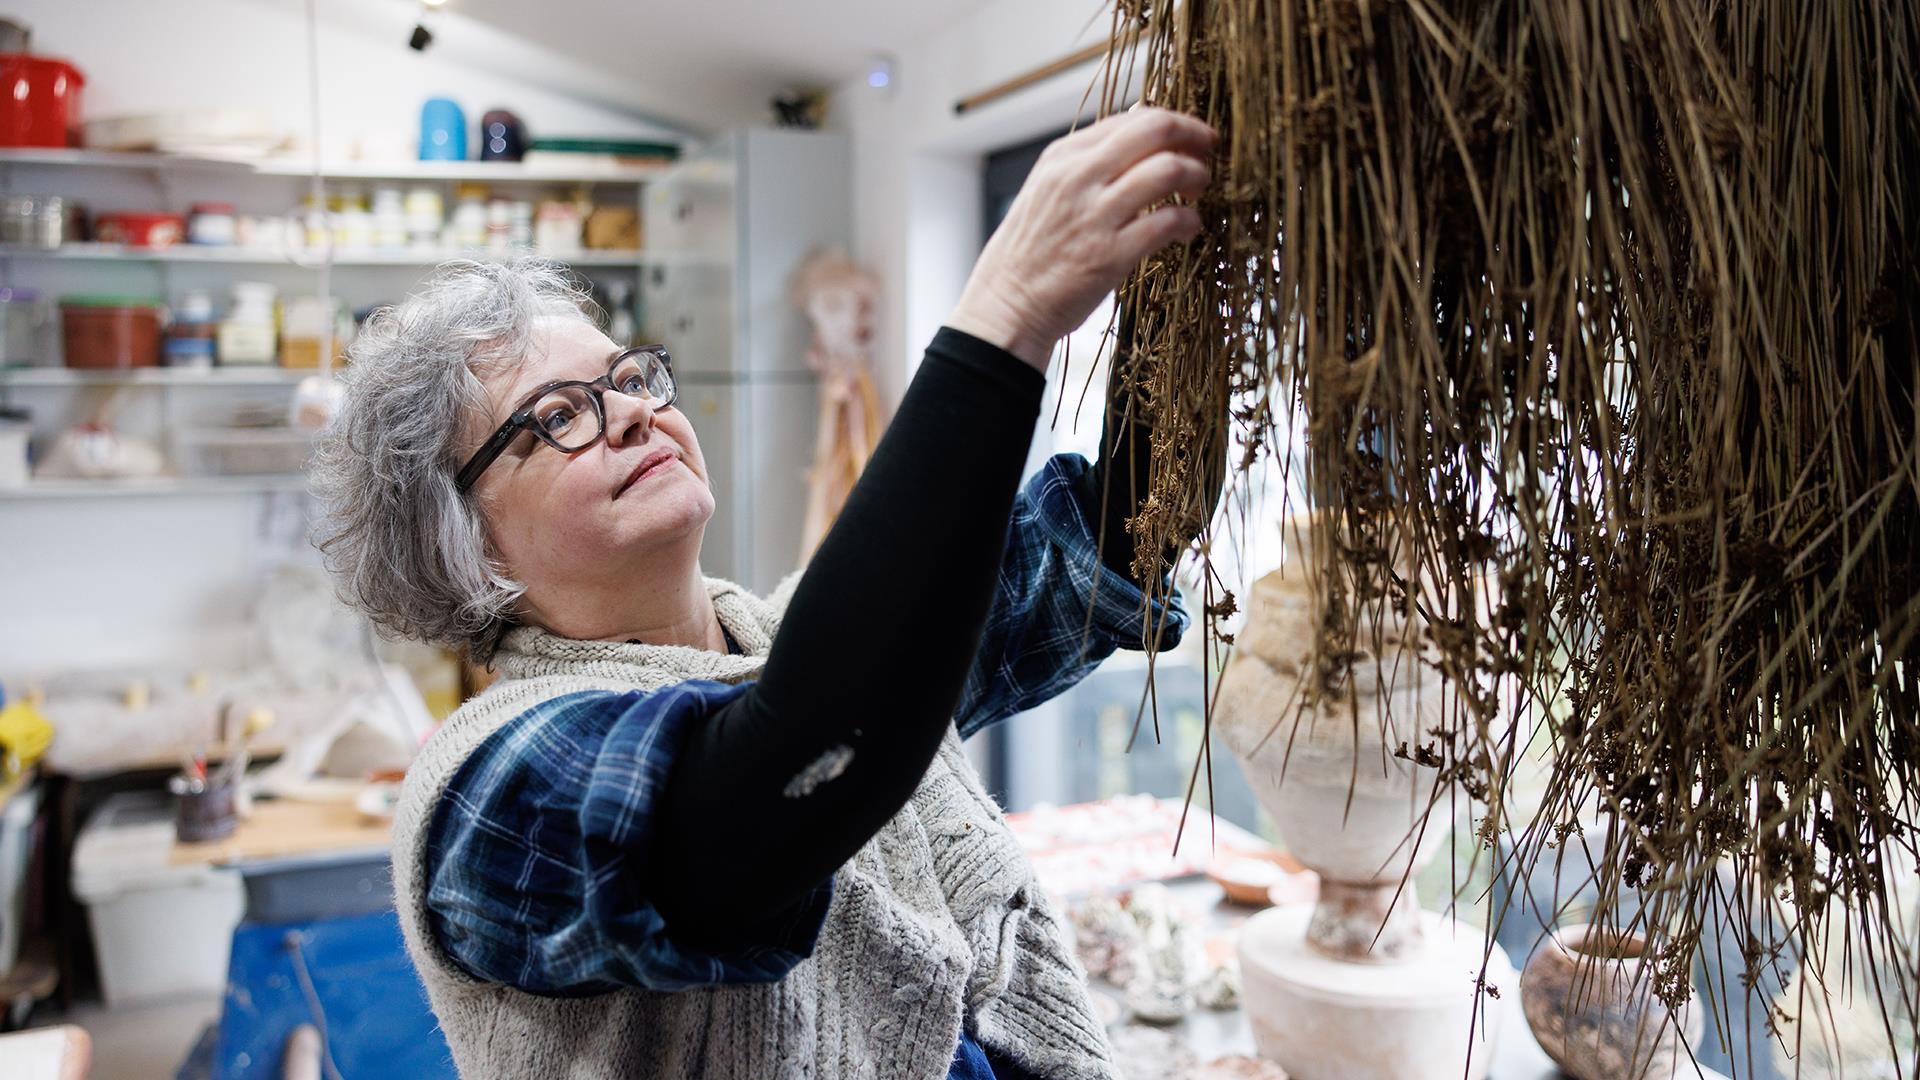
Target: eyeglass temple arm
(483, 457)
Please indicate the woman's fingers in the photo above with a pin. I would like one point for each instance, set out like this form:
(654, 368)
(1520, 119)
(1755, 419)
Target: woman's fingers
(1155, 178)
(1170, 224)
(1080, 224)
(1141, 133)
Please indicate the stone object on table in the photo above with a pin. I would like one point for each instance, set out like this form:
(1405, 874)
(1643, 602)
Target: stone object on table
(1161, 991)
(1588, 1001)
(1107, 939)
(1146, 1053)
(1159, 1001)
(1219, 989)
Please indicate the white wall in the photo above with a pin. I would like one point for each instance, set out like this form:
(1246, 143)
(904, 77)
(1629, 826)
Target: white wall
(917, 165)
(143, 56)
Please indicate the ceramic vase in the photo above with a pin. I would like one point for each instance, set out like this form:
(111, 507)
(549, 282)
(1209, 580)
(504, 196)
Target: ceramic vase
(1594, 1018)
(1362, 984)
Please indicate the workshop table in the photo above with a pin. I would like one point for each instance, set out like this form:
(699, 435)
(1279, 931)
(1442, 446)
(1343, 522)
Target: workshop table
(1213, 1033)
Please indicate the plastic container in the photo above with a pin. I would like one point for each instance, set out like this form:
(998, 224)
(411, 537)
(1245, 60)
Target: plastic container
(108, 331)
(16, 852)
(248, 337)
(139, 229)
(213, 451)
(188, 350)
(27, 336)
(212, 224)
(389, 218)
(443, 131)
(339, 886)
(303, 328)
(159, 931)
(33, 220)
(16, 469)
(426, 214)
(39, 101)
(469, 222)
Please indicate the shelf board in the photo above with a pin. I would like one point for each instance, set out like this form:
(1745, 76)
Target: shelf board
(154, 376)
(159, 485)
(116, 159)
(506, 172)
(556, 172)
(194, 253)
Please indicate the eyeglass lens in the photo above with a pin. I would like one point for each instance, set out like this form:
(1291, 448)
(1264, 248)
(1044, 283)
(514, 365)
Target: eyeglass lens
(566, 415)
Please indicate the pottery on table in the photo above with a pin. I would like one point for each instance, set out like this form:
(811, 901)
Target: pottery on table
(1360, 984)
(1592, 1017)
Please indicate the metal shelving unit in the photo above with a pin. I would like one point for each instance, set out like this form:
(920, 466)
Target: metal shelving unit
(105, 180)
(191, 253)
(154, 376)
(155, 486)
(538, 172)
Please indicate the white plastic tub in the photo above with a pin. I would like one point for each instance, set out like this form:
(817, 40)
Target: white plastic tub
(158, 930)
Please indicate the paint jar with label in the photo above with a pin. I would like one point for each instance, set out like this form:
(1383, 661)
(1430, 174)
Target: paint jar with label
(426, 214)
(212, 223)
(192, 339)
(247, 334)
(499, 226)
(303, 329)
(389, 218)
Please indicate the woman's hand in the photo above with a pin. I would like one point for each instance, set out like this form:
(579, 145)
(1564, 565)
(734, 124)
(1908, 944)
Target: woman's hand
(1080, 224)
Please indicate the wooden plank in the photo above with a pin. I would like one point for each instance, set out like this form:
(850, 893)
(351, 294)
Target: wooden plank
(286, 829)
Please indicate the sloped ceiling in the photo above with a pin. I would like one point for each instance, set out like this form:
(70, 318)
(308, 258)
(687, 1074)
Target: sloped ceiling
(702, 65)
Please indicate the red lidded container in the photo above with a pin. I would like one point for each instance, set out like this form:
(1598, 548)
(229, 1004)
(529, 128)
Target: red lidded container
(39, 101)
(140, 230)
(103, 331)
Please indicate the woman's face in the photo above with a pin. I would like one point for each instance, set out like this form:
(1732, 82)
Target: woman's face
(628, 509)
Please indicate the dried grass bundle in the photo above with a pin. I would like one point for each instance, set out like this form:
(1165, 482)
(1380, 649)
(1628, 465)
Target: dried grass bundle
(1610, 307)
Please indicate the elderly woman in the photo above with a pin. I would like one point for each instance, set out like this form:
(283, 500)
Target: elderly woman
(691, 832)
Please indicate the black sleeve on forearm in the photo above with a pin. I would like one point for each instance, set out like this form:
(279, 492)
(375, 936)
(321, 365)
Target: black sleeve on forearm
(863, 677)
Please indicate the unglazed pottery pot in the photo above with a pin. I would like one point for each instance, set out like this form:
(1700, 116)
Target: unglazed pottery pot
(1361, 985)
(1592, 1018)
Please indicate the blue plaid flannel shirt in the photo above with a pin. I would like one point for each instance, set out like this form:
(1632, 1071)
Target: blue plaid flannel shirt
(533, 849)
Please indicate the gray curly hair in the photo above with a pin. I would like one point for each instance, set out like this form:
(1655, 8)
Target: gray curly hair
(404, 545)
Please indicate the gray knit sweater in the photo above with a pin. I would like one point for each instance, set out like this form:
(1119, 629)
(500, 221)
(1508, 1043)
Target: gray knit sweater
(935, 923)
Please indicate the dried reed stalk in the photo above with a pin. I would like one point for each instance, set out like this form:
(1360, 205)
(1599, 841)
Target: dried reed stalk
(1611, 307)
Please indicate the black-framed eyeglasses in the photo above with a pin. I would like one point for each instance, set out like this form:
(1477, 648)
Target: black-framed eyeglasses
(557, 412)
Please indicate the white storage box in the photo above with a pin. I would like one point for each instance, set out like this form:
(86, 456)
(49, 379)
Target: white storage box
(16, 851)
(211, 451)
(158, 930)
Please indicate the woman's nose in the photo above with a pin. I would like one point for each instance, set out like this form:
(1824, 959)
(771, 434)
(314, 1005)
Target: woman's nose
(629, 418)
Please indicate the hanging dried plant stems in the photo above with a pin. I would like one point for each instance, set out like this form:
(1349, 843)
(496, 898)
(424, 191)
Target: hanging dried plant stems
(1611, 308)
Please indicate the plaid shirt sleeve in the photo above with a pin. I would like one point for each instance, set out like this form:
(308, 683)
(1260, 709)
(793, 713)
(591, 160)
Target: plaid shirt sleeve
(1058, 611)
(537, 856)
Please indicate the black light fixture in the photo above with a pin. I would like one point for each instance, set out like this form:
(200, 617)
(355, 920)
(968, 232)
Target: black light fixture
(421, 36)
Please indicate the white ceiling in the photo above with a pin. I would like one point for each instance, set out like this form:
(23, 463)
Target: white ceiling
(710, 64)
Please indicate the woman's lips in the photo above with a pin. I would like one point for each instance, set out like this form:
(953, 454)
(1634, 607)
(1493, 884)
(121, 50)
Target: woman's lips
(649, 466)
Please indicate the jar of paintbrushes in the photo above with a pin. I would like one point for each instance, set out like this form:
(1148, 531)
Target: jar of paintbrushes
(208, 802)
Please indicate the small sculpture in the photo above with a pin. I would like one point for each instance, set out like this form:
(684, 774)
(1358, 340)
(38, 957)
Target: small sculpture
(839, 299)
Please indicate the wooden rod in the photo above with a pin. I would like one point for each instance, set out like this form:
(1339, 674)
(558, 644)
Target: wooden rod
(1021, 82)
